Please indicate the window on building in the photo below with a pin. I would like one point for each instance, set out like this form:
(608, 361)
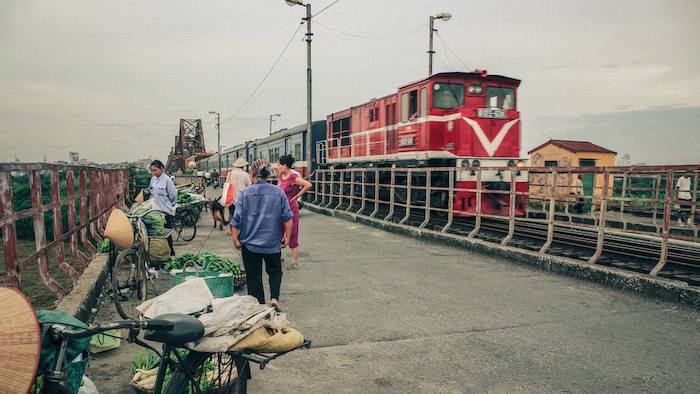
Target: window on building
(297, 152)
(413, 104)
(404, 107)
(371, 115)
(345, 131)
(448, 95)
(336, 132)
(500, 97)
(376, 114)
(423, 102)
(551, 163)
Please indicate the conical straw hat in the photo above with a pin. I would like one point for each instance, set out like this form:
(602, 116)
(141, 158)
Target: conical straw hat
(119, 230)
(20, 342)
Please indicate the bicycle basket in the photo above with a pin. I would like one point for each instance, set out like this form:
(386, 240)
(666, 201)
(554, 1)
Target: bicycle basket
(220, 286)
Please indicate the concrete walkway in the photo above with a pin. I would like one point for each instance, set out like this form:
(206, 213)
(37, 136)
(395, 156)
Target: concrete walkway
(390, 314)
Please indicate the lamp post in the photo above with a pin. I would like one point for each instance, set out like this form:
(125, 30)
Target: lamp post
(444, 16)
(307, 19)
(271, 120)
(218, 136)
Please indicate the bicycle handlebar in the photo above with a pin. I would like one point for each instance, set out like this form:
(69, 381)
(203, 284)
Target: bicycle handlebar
(142, 324)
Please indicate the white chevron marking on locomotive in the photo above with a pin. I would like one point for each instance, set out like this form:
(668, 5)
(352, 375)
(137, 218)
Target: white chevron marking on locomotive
(490, 146)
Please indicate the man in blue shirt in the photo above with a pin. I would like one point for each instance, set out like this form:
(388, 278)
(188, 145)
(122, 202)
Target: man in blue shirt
(262, 214)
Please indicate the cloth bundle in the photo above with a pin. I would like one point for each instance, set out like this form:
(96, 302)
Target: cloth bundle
(231, 319)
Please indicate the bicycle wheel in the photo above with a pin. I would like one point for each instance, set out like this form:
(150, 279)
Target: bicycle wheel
(211, 373)
(128, 283)
(186, 227)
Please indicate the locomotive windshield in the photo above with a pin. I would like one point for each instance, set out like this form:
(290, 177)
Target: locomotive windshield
(448, 95)
(500, 98)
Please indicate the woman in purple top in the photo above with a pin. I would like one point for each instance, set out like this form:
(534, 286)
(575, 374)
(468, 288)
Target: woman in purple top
(294, 186)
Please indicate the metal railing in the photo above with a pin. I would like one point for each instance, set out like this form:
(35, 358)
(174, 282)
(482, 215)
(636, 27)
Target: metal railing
(87, 210)
(546, 203)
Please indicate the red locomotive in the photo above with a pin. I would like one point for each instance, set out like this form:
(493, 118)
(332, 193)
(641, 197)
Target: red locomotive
(465, 119)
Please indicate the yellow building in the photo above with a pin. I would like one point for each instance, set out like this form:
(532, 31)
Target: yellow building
(568, 154)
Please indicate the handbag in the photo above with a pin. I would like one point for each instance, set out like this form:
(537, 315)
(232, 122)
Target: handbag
(227, 194)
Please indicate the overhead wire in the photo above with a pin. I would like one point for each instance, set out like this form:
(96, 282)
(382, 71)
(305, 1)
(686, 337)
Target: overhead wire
(325, 8)
(444, 44)
(367, 37)
(269, 71)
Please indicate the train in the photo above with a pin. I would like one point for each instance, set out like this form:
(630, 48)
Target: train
(288, 141)
(465, 120)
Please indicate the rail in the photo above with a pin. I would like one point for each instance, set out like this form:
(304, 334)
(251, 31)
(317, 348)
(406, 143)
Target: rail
(86, 211)
(590, 206)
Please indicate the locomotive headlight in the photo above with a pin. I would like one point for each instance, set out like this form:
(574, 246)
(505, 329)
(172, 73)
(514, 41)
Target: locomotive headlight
(511, 163)
(521, 163)
(475, 163)
(475, 89)
(465, 163)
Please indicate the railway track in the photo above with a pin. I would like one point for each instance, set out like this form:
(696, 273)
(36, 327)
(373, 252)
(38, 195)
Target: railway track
(625, 251)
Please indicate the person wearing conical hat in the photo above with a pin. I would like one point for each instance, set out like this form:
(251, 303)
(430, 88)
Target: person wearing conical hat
(239, 180)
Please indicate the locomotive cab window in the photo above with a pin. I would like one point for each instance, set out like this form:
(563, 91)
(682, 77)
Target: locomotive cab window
(500, 98)
(448, 95)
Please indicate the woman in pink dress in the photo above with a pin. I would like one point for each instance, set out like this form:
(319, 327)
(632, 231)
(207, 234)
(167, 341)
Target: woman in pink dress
(294, 186)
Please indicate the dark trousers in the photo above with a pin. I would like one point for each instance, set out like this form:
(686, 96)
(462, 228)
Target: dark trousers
(684, 209)
(231, 210)
(169, 219)
(253, 270)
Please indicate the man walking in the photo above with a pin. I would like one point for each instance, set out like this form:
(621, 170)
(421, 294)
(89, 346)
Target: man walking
(238, 180)
(262, 211)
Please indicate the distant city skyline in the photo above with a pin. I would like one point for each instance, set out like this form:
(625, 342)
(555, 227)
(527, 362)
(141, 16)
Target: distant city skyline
(112, 80)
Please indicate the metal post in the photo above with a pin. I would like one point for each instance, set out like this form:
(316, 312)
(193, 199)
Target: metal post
(391, 194)
(430, 46)
(409, 176)
(315, 187)
(309, 152)
(218, 139)
(427, 198)
(364, 195)
(450, 200)
(622, 200)
(352, 190)
(550, 214)
(376, 193)
(341, 189)
(330, 190)
(511, 210)
(477, 222)
(668, 203)
(603, 220)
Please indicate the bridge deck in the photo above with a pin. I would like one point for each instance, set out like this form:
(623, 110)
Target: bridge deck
(390, 314)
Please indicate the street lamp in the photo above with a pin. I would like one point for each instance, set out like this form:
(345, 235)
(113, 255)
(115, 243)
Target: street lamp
(445, 16)
(292, 3)
(218, 136)
(271, 120)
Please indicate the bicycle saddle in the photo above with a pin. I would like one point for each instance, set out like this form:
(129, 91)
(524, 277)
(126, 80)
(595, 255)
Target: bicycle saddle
(186, 328)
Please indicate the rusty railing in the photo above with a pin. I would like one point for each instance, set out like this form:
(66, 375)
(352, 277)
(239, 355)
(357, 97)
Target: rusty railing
(544, 203)
(87, 210)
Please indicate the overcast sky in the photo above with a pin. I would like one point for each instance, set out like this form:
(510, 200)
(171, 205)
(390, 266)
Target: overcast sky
(111, 79)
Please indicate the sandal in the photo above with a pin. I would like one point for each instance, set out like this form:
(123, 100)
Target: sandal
(276, 305)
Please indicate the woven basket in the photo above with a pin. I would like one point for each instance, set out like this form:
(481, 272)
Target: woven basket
(220, 287)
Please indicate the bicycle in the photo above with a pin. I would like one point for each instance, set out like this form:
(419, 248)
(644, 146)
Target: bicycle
(130, 275)
(185, 223)
(192, 373)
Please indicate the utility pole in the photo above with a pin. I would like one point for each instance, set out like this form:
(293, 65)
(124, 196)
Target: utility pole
(308, 89)
(309, 35)
(271, 120)
(444, 16)
(218, 136)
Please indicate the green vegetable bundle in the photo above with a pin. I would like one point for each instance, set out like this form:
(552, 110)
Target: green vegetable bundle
(154, 220)
(103, 247)
(207, 261)
(184, 198)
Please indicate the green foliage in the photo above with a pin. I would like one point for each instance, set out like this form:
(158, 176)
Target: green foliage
(207, 261)
(183, 198)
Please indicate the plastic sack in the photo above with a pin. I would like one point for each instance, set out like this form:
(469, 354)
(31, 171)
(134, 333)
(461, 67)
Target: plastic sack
(88, 387)
(267, 340)
(105, 341)
(158, 249)
(154, 220)
(188, 297)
